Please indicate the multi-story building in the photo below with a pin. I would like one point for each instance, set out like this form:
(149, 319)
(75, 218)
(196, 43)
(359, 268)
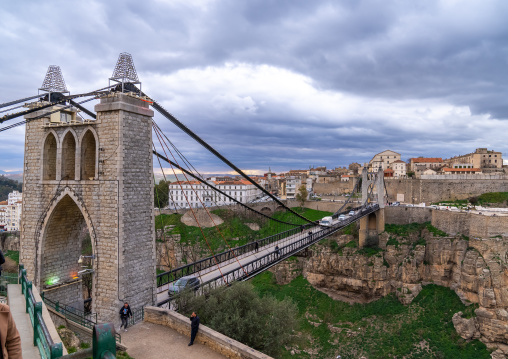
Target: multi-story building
(10, 212)
(292, 185)
(383, 160)
(484, 159)
(420, 164)
(193, 193)
(399, 168)
(3, 216)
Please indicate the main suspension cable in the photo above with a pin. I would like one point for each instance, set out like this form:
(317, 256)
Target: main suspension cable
(206, 209)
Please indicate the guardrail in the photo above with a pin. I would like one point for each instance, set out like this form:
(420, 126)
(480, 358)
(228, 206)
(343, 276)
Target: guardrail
(104, 335)
(260, 264)
(42, 339)
(77, 316)
(191, 268)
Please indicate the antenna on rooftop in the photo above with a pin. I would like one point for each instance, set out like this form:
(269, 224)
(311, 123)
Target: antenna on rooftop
(53, 82)
(124, 71)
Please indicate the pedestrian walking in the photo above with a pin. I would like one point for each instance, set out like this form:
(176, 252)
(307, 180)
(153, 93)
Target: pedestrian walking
(277, 251)
(125, 313)
(9, 335)
(194, 327)
(256, 246)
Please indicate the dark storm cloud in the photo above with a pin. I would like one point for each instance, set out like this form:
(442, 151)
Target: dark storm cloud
(281, 83)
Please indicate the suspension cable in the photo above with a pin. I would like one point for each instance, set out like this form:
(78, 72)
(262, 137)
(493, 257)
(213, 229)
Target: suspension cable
(195, 217)
(206, 209)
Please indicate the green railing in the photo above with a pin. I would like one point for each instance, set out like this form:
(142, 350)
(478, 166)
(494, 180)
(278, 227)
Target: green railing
(42, 339)
(104, 343)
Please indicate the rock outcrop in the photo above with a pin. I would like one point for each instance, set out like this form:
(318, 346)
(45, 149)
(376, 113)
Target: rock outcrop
(476, 269)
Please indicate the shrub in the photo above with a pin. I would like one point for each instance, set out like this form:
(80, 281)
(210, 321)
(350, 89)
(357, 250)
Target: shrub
(263, 323)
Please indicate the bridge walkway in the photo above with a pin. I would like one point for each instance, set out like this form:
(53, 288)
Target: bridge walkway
(16, 302)
(213, 272)
(153, 341)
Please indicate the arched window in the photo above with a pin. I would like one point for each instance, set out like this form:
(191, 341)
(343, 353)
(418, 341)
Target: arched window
(88, 156)
(49, 158)
(69, 157)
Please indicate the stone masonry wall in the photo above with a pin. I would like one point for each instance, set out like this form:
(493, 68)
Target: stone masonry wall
(216, 341)
(115, 205)
(434, 190)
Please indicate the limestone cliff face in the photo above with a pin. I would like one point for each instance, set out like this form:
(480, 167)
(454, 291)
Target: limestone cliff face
(476, 269)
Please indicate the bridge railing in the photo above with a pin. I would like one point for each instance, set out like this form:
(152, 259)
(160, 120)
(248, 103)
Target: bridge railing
(87, 320)
(260, 264)
(42, 339)
(191, 268)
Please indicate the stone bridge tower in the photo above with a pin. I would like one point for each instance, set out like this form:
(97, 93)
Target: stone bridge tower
(91, 178)
(374, 223)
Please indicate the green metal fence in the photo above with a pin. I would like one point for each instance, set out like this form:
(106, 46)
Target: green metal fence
(42, 339)
(104, 343)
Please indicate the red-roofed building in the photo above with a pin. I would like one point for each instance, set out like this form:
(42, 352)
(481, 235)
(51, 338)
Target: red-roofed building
(388, 172)
(461, 171)
(420, 164)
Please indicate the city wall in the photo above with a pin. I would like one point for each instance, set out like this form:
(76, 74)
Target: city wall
(451, 222)
(334, 187)
(434, 190)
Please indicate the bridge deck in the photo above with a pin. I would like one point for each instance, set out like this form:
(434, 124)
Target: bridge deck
(213, 272)
(251, 263)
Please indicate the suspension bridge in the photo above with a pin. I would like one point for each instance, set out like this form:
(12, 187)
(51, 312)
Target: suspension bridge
(83, 170)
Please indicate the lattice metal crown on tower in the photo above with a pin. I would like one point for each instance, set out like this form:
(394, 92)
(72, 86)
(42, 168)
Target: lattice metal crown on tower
(54, 81)
(124, 69)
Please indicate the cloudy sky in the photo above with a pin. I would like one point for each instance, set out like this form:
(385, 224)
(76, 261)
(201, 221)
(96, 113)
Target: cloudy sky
(287, 83)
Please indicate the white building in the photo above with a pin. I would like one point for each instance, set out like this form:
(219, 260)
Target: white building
(10, 212)
(383, 160)
(183, 193)
(292, 185)
(399, 168)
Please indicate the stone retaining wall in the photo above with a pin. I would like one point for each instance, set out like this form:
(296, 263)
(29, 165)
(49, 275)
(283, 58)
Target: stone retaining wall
(406, 215)
(206, 336)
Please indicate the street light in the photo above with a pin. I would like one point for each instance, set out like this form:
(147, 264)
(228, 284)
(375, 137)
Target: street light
(80, 260)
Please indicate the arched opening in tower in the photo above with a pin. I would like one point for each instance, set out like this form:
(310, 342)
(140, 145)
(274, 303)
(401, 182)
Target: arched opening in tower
(66, 238)
(88, 156)
(69, 157)
(49, 158)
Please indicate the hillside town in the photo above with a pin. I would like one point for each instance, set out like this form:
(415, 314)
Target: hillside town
(480, 164)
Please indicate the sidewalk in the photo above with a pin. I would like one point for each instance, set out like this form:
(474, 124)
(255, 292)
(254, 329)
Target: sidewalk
(152, 341)
(16, 302)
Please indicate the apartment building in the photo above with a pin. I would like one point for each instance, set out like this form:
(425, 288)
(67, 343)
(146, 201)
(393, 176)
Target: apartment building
(193, 193)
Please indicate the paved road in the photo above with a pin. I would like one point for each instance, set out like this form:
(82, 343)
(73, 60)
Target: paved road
(214, 272)
(153, 341)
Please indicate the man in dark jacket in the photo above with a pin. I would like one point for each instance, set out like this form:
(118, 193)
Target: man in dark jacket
(125, 313)
(194, 327)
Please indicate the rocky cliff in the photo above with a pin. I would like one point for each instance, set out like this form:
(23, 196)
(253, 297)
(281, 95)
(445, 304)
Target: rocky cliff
(476, 268)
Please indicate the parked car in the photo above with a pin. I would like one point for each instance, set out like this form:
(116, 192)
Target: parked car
(351, 213)
(182, 284)
(396, 204)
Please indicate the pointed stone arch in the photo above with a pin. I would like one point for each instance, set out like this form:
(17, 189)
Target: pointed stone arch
(89, 159)
(59, 248)
(68, 150)
(49, 156)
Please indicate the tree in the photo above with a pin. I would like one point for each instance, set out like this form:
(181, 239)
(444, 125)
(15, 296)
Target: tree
(263, 323)
(161, 194)
(302, 195)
